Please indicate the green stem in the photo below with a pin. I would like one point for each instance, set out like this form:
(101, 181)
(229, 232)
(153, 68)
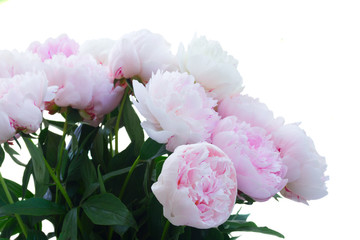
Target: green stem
(110, 136)
(111, 232)
(8, 196)
(58, 184)
(79, 224)
(166, 229)
(117, 124)
(128, 177)
(62, 147)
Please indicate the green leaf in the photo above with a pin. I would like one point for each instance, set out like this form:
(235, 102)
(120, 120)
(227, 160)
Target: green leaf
(99, 151)
(36, 235)
(12, 154)
(10, 228)
(202, 234)
(277, 197)
(101, 181)
(106, 209)
(175, 232)
(32, 207)
(132, 126)
(117, 172)
(40, 189)
(3, 222)
(16, 189)
(123, 159)
(159, 164)
(239, 217)
(152, 149)
(85, 135)
(156, 221)
(73, 116)
(74, 170)
(56, 124)
(147, 177)
(37, 158)
(3, 197)
(88, 172)
(69, 227)
(120, 229)
(50, 143)
(94, 186)
(234, 225)
(26, 178)
(244, 199)
(2, 155)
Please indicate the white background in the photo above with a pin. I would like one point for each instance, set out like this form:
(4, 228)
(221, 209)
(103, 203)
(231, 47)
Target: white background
(301, 58)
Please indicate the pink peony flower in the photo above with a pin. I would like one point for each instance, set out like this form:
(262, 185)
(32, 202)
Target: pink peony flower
(21, 103)
(139, 54)
(197, 186)
(249, 110)
(7, 131)
(105, 98)
(211, 66)
(177, 110)
(306, 179)
(259, 168)
(84, 85)
(75, 77)
(61, 45)
(99, 49)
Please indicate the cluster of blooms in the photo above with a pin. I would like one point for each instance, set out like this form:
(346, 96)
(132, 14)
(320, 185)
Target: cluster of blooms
(223, 143)
(52, 76)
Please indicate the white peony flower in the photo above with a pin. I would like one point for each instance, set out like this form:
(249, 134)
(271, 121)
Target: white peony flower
(306, 179)
(139, 54)
(14, 62)
(99, 49)
(211, 66)
(177, 110)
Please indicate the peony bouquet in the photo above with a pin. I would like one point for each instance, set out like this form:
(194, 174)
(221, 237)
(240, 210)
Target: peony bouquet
(208, 146)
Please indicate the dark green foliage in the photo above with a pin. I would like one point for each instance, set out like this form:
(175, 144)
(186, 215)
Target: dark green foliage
(133, 127)
(107, 209)
(69, 228)
(92, 175)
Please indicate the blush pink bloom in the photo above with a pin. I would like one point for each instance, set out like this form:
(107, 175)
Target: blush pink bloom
(211, 66)
(177, 110)
(105, 98)
(249, 110)
(139, 54)
(259, 168)
(99, 49)
(21, 103)
(62, 45)
(13, 63)
(197, 186)
(84, 85)
(306, 179)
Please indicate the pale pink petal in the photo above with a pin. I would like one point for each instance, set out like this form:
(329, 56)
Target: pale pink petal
(197, 186)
